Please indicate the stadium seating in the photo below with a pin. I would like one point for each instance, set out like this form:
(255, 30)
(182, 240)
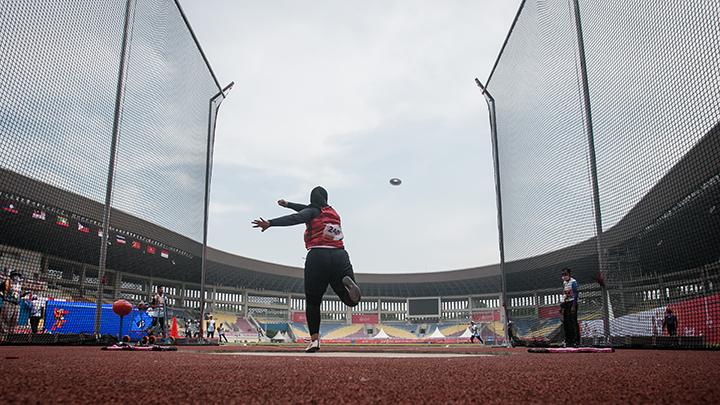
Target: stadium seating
(453, 330)
(344, 331)
(327, 327)
(360, 333)
(227, 319)
(544, 328)
(496, 328)
(299, 330)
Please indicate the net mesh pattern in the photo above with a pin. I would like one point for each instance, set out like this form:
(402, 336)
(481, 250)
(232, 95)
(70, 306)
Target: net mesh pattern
(59, 70)
(654, 92)
(545, 183)
(163, 141)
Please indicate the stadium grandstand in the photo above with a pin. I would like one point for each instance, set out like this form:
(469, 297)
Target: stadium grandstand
(247, 294)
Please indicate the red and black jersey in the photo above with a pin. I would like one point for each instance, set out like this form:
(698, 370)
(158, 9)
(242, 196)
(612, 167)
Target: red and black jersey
(324, 231)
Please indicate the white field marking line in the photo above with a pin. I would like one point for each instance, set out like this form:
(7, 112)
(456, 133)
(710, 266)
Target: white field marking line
(355, 354)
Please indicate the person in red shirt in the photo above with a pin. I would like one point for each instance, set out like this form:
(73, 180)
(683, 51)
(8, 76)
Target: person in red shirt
(327, 261)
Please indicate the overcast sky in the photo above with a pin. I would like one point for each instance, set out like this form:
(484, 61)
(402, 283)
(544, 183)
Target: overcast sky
(348, 94)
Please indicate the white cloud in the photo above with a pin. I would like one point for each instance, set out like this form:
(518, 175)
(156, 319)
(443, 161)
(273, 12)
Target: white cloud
(217, 208)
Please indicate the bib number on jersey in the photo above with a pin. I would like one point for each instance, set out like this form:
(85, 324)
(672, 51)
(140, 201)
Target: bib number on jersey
(333, 231)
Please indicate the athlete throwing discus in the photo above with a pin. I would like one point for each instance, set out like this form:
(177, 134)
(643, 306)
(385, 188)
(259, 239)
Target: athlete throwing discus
(327, 261)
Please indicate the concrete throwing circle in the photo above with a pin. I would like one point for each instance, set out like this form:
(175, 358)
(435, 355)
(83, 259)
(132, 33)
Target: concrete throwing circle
(375, 355)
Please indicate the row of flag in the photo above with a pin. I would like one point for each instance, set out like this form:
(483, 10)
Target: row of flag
(64, 222)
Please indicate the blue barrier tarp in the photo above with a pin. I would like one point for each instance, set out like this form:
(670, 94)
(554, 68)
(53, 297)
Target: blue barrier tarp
(79, 317)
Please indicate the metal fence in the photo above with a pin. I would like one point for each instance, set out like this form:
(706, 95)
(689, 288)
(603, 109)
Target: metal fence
(606, 130)
(107, 118)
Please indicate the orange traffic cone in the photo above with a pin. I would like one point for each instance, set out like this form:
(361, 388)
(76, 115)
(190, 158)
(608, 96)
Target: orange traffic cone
(174, 329)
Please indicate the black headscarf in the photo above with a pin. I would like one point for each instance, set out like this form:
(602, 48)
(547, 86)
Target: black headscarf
(318, 197)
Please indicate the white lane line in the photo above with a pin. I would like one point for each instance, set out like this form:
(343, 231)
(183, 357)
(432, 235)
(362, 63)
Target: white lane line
(354, 354)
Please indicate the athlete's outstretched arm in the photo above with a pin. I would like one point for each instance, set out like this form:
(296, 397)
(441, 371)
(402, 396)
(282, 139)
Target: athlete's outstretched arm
(303, 216)
(293, 206)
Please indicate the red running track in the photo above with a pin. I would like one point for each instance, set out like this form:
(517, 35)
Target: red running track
(89, 375)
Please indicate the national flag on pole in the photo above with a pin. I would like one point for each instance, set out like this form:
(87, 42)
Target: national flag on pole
(10, 208)
(38, 214)
(82, 228)
(136, 245)
(120, 239)
(165, 254)
(150, 250)
(62, 221)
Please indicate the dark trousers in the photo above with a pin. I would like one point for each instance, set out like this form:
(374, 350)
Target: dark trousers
(34, 322)
(8, 317)
(159, 321)
(473, 337)
(325, 267)
(570, 324)
(221, 337)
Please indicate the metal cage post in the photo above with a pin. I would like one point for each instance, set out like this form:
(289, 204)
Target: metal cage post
(498, 201)
(212, 121)
(588, 126)
(119, 97)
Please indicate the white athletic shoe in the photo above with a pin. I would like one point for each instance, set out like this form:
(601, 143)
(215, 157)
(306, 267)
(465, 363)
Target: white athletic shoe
(352, 289)
(313, 346)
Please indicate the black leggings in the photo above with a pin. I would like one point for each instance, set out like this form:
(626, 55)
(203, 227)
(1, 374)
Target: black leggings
(325, 267)
(570, 324)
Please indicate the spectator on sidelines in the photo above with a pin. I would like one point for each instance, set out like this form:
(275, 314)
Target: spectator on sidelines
(569, 309)
(12, 294)
(36, 313)
(221, 333)
(188, 328)
(24, 307)
(670, 322)
(512, 334)
(475, 333)
(211, 327)
(157, 303)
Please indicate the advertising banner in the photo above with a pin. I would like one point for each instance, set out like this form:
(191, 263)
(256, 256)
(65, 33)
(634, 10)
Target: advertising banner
(550, 312)
(486, 316)
(299, 317)
(366, 318)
